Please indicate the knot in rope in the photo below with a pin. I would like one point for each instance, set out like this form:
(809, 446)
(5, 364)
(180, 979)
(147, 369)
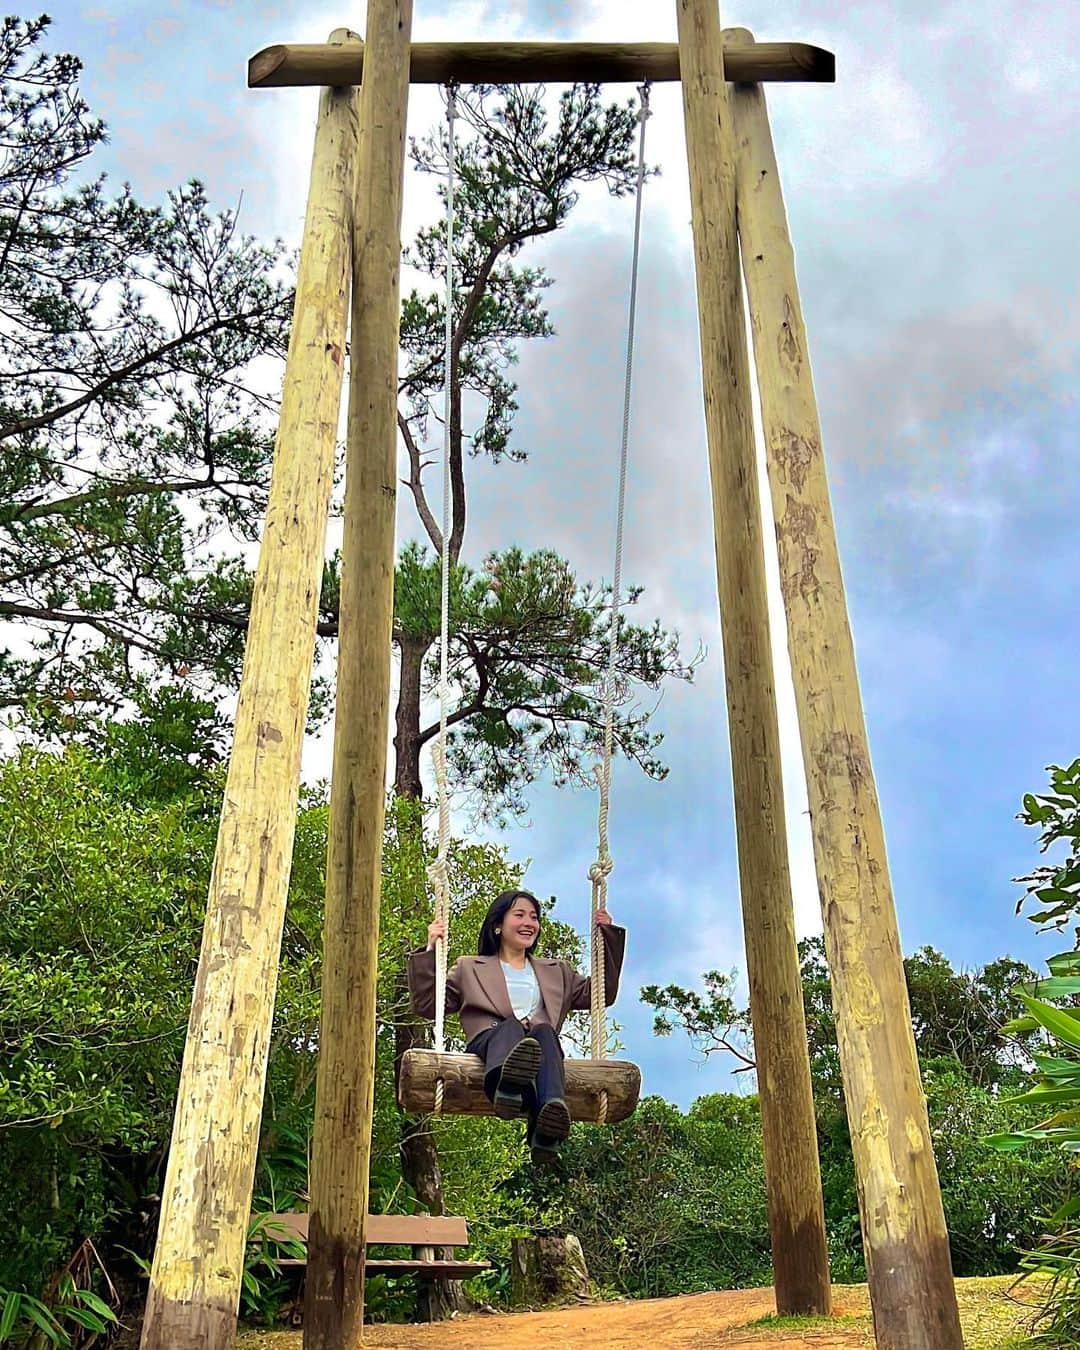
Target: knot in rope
(644, 111)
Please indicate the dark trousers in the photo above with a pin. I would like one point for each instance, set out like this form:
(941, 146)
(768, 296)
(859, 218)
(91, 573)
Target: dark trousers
(496, 1043)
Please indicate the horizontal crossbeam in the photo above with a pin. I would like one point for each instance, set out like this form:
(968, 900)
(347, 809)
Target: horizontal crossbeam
(323, 63)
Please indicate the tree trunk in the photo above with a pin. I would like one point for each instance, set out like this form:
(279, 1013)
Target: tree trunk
(439, 1299)
(419, 1154)
(407, 719)
(547, 1270)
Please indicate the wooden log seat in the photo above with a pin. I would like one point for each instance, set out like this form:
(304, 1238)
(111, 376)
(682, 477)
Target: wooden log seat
(463, 1085)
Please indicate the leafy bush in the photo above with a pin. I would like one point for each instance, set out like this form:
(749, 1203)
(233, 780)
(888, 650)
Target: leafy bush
(1055, 887)
(704, 1224)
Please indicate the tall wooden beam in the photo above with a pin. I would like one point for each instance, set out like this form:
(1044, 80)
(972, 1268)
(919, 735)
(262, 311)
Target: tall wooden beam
(906, 1244)
(334, 1299)
(198, 1262)
(300, 63)
(796, 1210)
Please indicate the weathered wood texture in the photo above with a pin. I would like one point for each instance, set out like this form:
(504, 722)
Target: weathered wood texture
(392, 1230)
(463, 1085)
(796, 1210)
(345, 1085)
(419, 1231)
(195, 1284)
(907, 1247)
(547, 1270)
(299, 63)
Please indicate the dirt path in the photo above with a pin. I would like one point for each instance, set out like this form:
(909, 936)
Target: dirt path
(992, 1321)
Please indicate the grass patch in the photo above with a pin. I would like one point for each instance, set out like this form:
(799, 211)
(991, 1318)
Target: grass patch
(775, 1322)
(995, 1314)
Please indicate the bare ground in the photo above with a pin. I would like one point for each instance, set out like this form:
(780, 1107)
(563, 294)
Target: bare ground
(993, 1320)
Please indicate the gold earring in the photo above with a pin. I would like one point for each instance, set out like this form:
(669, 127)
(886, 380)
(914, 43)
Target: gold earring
(498, 931)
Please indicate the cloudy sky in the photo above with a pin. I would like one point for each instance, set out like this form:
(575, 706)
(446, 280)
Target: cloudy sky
(932, 197)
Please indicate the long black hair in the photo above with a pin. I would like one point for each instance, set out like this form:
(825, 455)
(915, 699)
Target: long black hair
(489, 944)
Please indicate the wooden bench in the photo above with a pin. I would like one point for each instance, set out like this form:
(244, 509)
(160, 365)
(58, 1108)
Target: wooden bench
(422, 1232)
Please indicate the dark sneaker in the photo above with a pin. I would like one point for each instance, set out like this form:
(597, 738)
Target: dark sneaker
(519, 1071)
(544, 1150)
(553, 1120)
(508, 1105)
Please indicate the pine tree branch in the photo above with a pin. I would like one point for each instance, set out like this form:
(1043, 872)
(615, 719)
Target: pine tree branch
(114, 492)
(122, 373)
(416, 487)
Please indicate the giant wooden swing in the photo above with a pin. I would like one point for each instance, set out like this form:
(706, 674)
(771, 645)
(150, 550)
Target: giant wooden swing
(354, 217)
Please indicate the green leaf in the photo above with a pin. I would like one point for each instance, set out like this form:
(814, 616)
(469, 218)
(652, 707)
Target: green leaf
(1057, 986)
(44, 1320)
(10, 1314)
(1059, 1023)
(1046, 1093)
(1014, 1140)
(83, 1317)
(1065, 963)
(1018, 1025)
(1067, 1211)
(96, 1303)
(1054, 895)
(1051, 1067)
(1062, 1125)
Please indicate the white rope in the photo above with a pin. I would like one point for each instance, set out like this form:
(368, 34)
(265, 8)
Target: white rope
(602, 867)
(438, 871)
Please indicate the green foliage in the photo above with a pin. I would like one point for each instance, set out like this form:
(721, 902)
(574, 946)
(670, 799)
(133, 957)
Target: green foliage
(1056, 814)
(519, 173)
(991, 1199)
(528, 659)
(70, 1313)
(1054, 1090)
(529, 641)
(101, 904)
(1053, 1252)
(711, 1020)
(955, 1016)
(704, 1224)
(263, 1288)
(987, 1198)
(101, 901)
(131, 427)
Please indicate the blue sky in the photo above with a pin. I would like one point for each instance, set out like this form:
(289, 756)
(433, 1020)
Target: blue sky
(932, 198)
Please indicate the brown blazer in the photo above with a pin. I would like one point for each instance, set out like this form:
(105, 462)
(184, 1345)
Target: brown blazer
(476, 989)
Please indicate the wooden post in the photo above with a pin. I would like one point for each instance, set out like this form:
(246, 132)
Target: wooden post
(195, 1284)
(334, 1303)
(907, 1247)
(796, 1211)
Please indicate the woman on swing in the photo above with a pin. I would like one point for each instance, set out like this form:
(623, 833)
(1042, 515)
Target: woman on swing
(512, 1005)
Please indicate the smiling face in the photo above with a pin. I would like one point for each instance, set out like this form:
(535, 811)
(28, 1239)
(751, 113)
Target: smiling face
(520, 926)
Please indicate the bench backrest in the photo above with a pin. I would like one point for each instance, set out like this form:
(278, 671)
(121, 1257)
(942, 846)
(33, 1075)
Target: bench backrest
(398, 1230)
